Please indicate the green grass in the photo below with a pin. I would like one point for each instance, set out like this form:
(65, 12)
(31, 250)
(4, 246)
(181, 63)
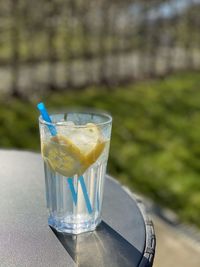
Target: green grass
(155, 146)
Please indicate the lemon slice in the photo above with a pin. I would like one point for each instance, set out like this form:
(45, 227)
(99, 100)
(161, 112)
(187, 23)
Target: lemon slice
(74, 151)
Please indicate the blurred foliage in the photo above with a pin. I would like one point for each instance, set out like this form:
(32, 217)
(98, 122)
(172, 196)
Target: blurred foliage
(155, 141)
(94, 27)
(50, 44)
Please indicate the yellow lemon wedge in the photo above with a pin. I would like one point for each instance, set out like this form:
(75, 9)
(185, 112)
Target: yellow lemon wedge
(74, 151)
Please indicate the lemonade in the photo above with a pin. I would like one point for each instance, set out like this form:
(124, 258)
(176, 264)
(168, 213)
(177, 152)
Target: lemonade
(75, 162)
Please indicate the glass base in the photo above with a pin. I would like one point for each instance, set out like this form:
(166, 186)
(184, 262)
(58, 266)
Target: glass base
(65, 226)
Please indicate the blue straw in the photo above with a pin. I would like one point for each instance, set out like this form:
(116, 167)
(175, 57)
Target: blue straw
(53, 132)
(87, 200)
(84, 189)
(47, 118)
(72, 189)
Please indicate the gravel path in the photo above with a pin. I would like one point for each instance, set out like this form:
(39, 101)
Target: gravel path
(173, 248)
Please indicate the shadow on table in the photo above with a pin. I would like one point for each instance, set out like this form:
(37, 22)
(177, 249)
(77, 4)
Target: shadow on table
(103, 247)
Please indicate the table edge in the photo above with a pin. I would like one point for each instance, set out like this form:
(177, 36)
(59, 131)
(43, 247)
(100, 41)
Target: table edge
(150, 242)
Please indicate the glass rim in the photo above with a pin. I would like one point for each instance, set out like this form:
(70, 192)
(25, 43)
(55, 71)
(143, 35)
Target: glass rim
(62, 123)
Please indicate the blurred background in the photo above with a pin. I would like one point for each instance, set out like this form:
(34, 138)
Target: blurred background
(138, 60)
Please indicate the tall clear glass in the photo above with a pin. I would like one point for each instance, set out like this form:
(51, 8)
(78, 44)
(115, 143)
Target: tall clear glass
(75, 149)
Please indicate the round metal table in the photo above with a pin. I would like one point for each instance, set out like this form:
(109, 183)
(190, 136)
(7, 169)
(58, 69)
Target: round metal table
(124, 238)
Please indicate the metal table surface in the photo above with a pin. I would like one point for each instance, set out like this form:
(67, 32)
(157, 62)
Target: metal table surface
(124, 238)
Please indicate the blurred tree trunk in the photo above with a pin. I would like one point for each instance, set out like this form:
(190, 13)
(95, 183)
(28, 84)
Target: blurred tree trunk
(172, 42)
(153, 38)
(113, 53)
(51, 36)
(196, 36)
(29, 30)
(152, 49)
(15, 47)
(117, 39)
(189, 61)
(84, 14)
(103, 34)
(143, 40)
(69, 35)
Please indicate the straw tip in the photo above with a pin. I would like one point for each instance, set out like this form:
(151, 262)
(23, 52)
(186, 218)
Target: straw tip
(40, 106)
